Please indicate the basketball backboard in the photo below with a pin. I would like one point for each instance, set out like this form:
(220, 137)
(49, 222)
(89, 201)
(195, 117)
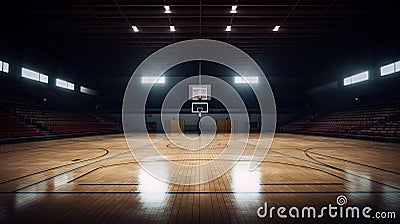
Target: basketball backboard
(204, 91)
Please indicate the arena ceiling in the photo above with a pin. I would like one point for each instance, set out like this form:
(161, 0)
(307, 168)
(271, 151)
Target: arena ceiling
(105, 26)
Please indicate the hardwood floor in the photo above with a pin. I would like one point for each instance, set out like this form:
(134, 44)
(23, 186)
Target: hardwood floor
(96, 179)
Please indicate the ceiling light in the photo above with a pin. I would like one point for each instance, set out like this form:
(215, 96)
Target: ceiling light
(172, 28)
(228, 28)
(167, 9)
(234, 9)
(135, 29)
(276, 28)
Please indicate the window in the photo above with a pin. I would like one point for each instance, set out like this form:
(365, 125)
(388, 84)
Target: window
(4, 67)
(248, 79)
(239, 79)
(64, 84)
(36, 76)
(26, 73)
(397, 65)
(390, 68)
(347, 81)
(88, 91)
(153, 79)
(387, 69)
(356, 78)
(43, 78)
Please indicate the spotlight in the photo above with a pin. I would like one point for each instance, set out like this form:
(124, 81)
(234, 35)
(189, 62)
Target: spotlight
(234, 9)
(135, 29)
(167, 9)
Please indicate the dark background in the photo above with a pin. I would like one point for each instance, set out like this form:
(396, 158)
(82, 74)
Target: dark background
(91, 43)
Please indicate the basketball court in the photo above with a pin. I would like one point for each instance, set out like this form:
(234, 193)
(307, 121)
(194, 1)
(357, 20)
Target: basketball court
(96, 179)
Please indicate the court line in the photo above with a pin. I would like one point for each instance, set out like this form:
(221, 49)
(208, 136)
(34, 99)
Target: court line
(129, 150)
(108, 184)
(80, 176)
(57, 167)
(77, 168)
(125, 163)
(334, 168)
(309, 167)
(60, 142)
(300, 184)
(335, 140)
(97, 168)
(343, 171)
(159, 140)
(340, 170)
(268, 184)
(307, 151)
(203, 192)
(283, 163)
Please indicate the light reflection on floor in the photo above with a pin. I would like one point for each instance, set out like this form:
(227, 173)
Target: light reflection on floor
(152, 190)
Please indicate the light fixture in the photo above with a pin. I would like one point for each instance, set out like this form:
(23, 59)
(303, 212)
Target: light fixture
(172, 28)
(167, 9)
(276, 28)
(356, 78)
(135, 29)
(246, 79)
(234, 9)
(228, 28)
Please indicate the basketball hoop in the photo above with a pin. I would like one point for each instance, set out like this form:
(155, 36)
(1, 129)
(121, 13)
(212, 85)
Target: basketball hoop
(199, 111)
(199, 97)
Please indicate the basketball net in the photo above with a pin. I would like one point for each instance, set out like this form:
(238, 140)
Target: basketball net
(199, 97)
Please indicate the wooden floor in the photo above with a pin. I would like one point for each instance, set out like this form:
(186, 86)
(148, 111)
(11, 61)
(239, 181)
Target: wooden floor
(96, 179)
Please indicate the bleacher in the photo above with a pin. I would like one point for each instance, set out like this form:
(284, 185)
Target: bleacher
(10, 127)
(50, 120)
(373, 120)
(62, 122)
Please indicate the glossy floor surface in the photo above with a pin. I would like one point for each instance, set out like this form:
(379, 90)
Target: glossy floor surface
(97, 180)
